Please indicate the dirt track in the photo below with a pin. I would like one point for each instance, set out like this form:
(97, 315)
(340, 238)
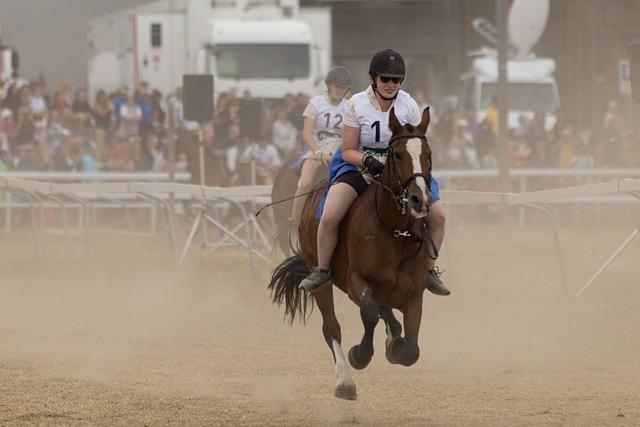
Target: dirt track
(124, 338)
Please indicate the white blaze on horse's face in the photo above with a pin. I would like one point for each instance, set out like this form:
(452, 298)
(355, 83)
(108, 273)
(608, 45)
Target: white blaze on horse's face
(414, 148)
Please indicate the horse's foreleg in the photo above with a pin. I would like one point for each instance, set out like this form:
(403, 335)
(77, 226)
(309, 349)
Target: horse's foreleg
(393, 327)
(345, 387)
(360, 355)
(405, 350)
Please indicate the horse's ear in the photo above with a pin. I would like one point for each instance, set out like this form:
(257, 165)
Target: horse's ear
(424, 123)
(394, 123)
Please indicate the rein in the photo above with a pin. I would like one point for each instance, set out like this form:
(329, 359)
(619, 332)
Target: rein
(401, 201)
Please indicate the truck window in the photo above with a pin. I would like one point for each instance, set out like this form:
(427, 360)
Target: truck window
(523, 96)
(156, 35)
(262, 61)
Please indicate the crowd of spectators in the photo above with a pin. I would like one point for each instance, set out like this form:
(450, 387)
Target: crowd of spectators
(127, 131)
(539, 142)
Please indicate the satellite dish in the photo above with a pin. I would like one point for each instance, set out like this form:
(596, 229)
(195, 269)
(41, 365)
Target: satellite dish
(527, 20)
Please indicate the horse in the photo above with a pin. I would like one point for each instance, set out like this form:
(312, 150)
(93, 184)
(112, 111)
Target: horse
(283, 189)
(379, 261)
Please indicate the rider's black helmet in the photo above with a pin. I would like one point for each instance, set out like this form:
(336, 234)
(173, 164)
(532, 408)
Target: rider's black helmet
(339, 76)
(387, 63)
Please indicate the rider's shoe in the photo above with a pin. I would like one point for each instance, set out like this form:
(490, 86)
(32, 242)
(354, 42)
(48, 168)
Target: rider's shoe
(317, 277)
(434, 284)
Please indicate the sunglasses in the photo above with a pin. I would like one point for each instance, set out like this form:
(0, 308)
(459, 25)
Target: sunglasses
(395, 80)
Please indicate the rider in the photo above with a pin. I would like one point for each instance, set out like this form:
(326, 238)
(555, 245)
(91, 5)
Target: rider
(322, 132)
(366, 136)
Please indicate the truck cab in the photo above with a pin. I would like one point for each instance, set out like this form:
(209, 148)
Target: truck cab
(263, 57)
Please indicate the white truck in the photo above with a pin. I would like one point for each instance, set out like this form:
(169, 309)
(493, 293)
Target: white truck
(531, 84)
(267, 47)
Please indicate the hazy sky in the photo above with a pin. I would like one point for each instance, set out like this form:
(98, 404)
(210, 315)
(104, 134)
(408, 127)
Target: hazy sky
(51, 35)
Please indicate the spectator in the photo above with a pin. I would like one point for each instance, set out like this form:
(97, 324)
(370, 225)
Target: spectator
(142, 99)
(181, 163)
(82, 113)
(267, 160)
(461, 154)
(12, 100)
(536, 132)
(25, 127)
(8, 126)
(158, 115)
(582, 157)
(102, 115)
(130, 118)
(445, 128)
(64, 159)
(86, 156)
(492, 115)
(485, 145)
(119, 99)
(40, 111)
(117, 157)
(284, 135)
(564, 148)
(522, 130)
(158, 163)
(27, 159)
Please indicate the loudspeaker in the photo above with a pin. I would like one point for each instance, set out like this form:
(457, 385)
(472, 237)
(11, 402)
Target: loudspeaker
(634, 62)
(197, 97)
(250, 114)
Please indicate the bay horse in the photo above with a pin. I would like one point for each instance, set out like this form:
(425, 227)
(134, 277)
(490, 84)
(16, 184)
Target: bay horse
(379, 262)
(284, 188)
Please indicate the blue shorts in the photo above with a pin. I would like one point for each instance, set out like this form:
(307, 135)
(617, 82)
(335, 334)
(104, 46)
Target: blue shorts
(339, 166)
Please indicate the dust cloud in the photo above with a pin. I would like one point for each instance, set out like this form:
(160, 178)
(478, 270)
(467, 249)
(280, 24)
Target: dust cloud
(121, 335)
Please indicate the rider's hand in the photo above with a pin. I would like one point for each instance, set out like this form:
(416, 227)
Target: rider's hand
(373, 165)
(325, 159)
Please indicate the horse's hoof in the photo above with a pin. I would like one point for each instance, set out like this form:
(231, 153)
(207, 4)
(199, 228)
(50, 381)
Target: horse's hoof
(355, 362)
(389, 351)
(346, 392)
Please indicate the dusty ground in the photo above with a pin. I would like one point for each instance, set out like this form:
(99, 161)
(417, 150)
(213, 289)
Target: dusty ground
(123, 337)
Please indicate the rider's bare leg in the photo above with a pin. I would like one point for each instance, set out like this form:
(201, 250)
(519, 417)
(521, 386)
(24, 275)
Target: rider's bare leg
(339, 199)
(436, 222)
(308, 174)
(436, 219)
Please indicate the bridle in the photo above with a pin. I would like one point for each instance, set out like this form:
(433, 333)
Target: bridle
(400, 200)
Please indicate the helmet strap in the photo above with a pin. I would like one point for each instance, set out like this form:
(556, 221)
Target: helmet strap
(375, 89)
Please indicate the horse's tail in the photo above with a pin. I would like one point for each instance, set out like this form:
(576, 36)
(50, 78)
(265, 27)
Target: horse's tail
(284, 288)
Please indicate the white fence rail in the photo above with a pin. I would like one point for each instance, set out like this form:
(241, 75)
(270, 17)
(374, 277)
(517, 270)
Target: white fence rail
(34, 192)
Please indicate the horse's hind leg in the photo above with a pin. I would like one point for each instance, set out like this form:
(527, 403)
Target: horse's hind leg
(345, 387)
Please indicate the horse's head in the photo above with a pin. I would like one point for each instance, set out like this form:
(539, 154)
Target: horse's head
(408, 166)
